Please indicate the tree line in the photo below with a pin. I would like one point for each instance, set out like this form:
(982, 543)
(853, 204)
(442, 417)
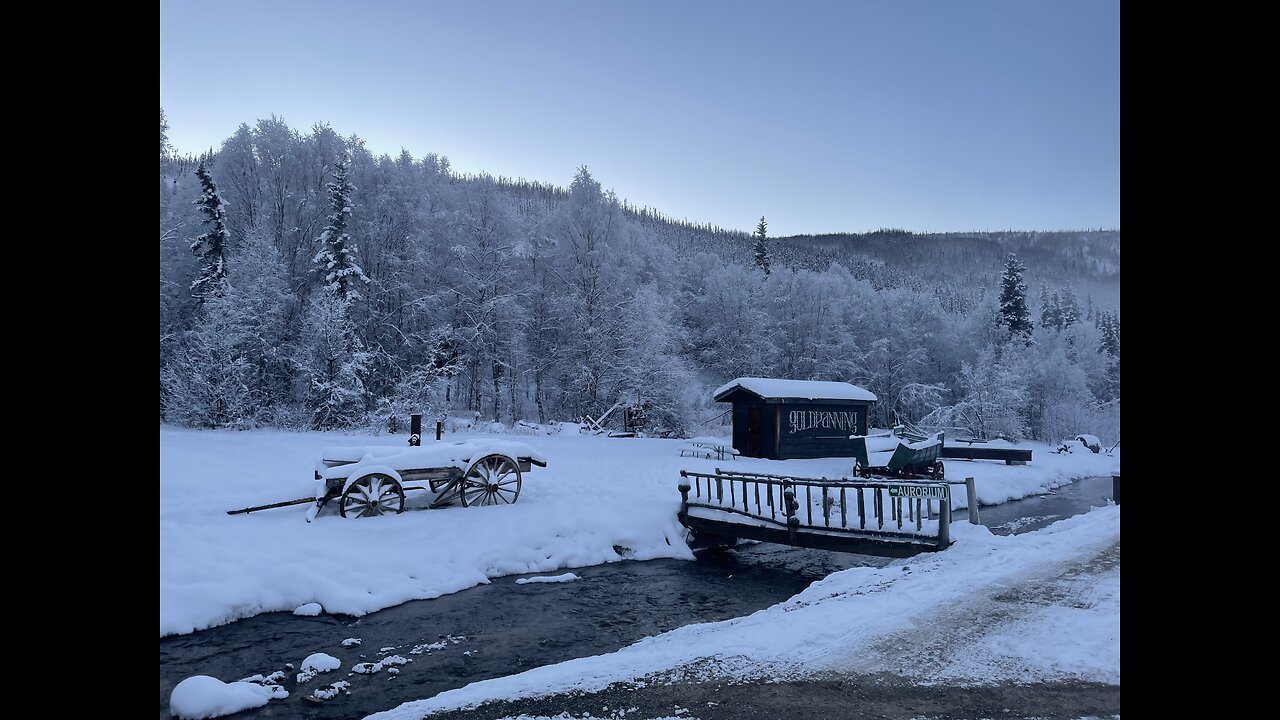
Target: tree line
(308, 283)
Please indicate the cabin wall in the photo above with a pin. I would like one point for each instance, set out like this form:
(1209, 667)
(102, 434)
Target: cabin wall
(799, 429)
(813, 430)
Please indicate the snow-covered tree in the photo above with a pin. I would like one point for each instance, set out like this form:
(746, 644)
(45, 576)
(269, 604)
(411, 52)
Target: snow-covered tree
(1068, 307)
(341, 275)
(1013, 299)
(1108, 333)
(994, 395)
(213, 246)
(332, 365)
(762, 250)
(164, 135)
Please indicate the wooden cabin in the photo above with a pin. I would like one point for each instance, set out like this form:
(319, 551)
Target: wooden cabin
(787, 419)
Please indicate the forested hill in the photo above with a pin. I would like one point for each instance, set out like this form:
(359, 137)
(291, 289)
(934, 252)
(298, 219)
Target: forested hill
(1087, 259)
(307, 282)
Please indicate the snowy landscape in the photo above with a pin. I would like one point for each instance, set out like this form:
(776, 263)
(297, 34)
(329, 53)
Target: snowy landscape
(483, 329)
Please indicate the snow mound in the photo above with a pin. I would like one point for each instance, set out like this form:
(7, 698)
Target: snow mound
(201, 696)
(309, 610)
(317, 663)
(567, 577)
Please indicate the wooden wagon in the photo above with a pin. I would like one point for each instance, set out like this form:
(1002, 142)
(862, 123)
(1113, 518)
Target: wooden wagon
(372, 480)
(890, 456)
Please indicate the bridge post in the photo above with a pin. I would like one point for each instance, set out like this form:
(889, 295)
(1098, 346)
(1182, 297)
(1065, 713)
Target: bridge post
(944, 522)
(684, 498)
(1115, 488)
(971, 497)
(790, 506)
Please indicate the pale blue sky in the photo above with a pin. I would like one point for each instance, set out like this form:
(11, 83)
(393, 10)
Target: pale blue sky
(822, 116)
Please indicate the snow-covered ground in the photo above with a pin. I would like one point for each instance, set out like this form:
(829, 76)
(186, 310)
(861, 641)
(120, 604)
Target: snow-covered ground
(599, 500)
(1038, 606)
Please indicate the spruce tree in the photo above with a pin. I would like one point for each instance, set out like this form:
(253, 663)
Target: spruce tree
(1013, 299)
(762, 251)
(340, 273)
(1048, 308)
(1068, 307)
(212, 246)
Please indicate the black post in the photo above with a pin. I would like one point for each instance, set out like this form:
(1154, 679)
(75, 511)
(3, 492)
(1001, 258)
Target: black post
(944, 522)
(684, 498)
(439, 428)
(1115, 488)
(415, 429)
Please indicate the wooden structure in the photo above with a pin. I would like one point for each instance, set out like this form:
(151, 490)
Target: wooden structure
(368, 481)
(1010, 456)
(786, 419)
(904, 460)
(888, 518)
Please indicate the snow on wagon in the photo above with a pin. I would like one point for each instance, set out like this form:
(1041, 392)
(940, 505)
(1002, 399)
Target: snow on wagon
(370, 480)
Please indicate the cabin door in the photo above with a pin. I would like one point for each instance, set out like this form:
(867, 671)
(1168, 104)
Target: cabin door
(755, 432)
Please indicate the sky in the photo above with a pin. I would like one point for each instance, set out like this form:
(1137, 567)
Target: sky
(821, 116)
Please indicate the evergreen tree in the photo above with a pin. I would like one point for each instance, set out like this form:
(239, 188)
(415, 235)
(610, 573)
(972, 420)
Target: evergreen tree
(1068, 307)
(1013, 299)
(762, 251)
(1048, 308)
(164, 135)
(1108, 334)
(212, 246)
(333, 365)
(337, 256)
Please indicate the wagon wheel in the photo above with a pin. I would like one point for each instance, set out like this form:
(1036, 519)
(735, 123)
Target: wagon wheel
(491, 480)
(447, 491)
(939, 472)
(373, 494)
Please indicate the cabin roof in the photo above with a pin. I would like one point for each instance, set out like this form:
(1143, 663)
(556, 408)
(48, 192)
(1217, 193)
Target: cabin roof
(779, 389)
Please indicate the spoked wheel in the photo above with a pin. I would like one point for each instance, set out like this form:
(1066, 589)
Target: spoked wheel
(491, 480)
(373, 494)
(939, 472)
(447, 491)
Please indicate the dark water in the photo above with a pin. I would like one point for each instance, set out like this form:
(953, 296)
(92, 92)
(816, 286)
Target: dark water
(509, 628)
(1038, 511)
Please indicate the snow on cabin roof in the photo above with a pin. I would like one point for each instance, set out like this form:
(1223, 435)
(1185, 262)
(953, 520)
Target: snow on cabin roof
(774, 388)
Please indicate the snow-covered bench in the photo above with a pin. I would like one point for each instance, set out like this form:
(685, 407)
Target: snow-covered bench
(708, 446)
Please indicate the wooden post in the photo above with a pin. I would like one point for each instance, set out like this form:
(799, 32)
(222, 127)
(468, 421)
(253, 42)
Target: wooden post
(415, 429)
(1115, 488)
(971, 497)
(944, 523)
(439, 428)
(684, 499)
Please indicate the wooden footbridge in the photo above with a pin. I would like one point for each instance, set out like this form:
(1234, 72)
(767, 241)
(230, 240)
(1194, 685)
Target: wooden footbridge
(888, 517)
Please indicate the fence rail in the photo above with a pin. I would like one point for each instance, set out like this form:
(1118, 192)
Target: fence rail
(890, 510)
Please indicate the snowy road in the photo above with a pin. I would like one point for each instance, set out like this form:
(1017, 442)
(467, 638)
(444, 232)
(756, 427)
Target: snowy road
(974, 660)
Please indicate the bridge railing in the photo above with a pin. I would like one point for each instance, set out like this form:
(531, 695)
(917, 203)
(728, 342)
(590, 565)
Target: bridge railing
(904, 508)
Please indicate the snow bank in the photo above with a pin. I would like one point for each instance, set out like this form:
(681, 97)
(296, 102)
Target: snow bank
(596, 495)
(567, 577)
(308, 610)
(836, 623)
(201, 696)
